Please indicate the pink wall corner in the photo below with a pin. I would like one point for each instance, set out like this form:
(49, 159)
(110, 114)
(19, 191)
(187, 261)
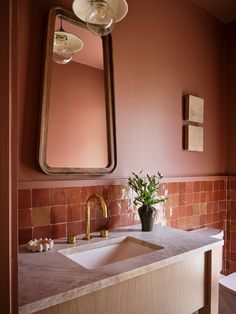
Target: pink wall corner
(8, 160)
(161, 52)
(231, 94)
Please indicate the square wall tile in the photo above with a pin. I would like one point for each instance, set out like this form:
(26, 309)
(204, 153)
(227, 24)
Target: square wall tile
(101, 223)
(174, 200)
(174, 223)
(40, 197)
(42, 232)
(114, 221)
(114, 192)
(196, 221)
(203, 219)
(74, 196)
(58, 196)
(25, 235)
(233, 226)
(173, 188)
(40, 216)
(222, 185)
(189, 222)
(74, 212)
(233, 184)
(24, 218)
(58, 231)
(24, 199)
(189, 187)
(182, 223)
(202, 186)
(114, 208)
(216, 185)
(196, 209)
(202, 197)
(209, 186)
(57, 214)
(196, 186)
(74, 228)
(233, 236)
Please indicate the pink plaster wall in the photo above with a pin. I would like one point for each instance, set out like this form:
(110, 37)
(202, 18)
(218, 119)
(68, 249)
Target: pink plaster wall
(77, 106)
(231, 94)
(161, 51)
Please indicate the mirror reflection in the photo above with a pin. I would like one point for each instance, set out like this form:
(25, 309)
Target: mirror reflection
(77, 125)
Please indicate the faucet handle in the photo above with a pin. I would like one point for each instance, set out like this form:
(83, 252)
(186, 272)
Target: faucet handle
(104, 233)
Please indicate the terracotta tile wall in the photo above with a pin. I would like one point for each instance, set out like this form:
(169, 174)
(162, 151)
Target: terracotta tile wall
(58, 212)
(231, 228)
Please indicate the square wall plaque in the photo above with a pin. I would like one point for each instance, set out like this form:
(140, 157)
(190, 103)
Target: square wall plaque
(194, 109)
(193, 138)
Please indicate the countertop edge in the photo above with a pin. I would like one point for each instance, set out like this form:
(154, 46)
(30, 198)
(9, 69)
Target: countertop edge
(103, 283)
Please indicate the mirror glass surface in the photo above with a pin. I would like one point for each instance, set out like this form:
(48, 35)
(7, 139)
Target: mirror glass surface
(77, 132)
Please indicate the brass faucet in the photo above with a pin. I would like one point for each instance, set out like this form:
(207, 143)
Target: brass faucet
(88, 211)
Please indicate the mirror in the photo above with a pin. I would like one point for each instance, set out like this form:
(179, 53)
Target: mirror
(77, 128)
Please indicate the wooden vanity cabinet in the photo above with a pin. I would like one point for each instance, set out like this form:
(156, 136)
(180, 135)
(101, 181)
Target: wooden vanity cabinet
(178, 287)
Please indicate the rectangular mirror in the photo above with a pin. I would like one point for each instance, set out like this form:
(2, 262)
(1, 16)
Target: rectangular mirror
(77, 129)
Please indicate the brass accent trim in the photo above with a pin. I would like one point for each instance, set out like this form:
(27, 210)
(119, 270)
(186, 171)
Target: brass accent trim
(71, 239)
(104, 233)
(89, 203)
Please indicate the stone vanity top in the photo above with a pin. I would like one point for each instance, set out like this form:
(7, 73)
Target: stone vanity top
(50, 278)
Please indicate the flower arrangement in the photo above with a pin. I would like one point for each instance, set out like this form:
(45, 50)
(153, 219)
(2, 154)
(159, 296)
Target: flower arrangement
(146, 189)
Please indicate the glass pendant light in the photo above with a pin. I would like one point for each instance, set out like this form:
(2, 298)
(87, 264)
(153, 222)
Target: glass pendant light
(61, 54)
(65, 45)
(100, 15)
(100, 18)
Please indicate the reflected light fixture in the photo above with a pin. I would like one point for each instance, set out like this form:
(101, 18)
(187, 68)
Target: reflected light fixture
(100, 15)
(65, 45)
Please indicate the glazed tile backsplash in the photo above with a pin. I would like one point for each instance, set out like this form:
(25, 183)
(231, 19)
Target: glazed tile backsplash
(231, 226)
(58, 212)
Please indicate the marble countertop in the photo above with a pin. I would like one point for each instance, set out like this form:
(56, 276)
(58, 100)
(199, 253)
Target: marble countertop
(50, 278)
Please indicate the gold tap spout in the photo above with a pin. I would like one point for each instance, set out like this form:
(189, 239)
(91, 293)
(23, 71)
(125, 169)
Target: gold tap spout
(89, 202)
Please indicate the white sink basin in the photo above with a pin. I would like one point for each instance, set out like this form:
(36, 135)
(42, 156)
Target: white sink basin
(106, 252)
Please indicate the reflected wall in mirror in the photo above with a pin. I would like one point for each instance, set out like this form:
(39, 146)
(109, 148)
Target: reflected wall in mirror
(77, 132)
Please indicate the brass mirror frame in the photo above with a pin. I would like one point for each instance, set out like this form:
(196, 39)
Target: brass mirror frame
(109, 99)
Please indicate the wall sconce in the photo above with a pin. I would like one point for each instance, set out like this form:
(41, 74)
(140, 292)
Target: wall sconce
(100, 15)
(65, 45)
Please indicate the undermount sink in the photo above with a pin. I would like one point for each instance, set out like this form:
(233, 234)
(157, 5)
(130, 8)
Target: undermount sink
(106, 252)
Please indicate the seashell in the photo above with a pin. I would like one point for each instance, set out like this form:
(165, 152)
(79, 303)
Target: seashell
(33, 249)
(45, 246)
(40, 245)
(29, 247)
(51, 244)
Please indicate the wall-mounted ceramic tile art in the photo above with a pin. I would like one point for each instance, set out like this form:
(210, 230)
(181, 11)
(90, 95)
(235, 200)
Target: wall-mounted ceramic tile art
(194, 109)
(193, 138)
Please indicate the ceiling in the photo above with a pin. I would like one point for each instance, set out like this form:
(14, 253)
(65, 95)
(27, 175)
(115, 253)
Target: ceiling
(224, 10)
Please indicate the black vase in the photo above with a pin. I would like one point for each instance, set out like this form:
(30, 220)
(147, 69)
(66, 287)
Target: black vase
(147, 216)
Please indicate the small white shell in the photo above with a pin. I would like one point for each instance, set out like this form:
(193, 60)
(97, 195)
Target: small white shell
(45, 246)
(40, 245)
(51, 243)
